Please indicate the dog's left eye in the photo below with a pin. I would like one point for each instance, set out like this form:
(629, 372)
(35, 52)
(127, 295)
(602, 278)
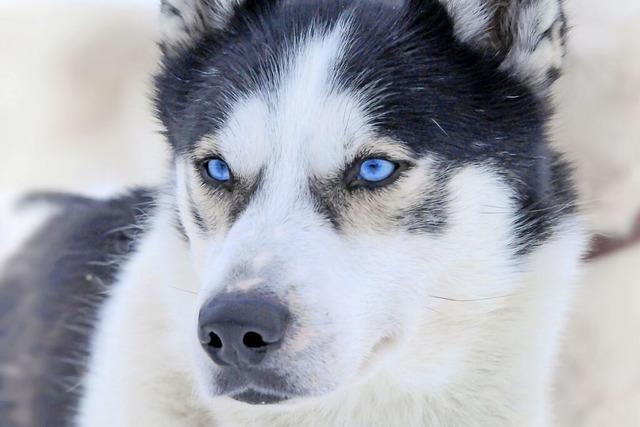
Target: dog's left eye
(218, 170)
(376, 170)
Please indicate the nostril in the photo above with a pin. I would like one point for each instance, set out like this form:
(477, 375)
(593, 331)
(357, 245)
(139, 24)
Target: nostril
(214, 341)
(253, 340)
(240, 330)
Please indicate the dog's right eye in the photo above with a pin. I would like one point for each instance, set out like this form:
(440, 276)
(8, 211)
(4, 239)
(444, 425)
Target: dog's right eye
(218, 170)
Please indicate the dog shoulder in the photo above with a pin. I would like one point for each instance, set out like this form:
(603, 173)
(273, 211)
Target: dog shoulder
(50, 290)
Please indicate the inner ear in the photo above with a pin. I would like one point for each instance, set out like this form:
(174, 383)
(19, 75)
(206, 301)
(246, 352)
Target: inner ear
(526, 36)
(183, 22)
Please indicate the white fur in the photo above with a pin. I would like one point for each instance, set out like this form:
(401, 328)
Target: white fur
(472, 18)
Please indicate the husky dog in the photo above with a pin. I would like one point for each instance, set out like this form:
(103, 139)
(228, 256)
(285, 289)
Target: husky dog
(364, 225)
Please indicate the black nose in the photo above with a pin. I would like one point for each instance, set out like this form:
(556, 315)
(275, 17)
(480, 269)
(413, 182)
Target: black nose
(239, 330)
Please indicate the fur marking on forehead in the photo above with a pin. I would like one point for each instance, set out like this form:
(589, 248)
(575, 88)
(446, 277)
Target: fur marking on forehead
(302, 119)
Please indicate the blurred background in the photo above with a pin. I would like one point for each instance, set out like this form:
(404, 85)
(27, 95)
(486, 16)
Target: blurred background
(75, 115)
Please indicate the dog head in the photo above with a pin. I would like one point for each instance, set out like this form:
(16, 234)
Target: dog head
(344, 167)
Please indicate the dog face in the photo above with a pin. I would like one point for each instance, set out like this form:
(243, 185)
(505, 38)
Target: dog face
(342, 170)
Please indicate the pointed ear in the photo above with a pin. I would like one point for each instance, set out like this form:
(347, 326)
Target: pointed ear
(527, 36)
(183, 22)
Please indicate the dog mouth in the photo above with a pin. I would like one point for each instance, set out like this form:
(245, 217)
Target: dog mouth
(264, 389)
(259, 397)
(253, 386)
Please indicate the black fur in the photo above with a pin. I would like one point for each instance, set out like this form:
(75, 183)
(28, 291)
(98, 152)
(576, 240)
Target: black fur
(49, 296)
(426, 89)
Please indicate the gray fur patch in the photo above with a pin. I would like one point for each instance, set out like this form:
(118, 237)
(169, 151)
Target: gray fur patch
(50, 293)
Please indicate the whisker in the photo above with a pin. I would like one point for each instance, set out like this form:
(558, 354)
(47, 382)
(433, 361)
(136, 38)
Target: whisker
(183, 290)
(471, 300)
(440, 127)
(434, 310)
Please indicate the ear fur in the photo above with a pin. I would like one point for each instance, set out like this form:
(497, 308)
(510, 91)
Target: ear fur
(527, 36)
(184, 21)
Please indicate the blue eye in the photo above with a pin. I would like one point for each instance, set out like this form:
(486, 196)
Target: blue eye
(376, 170)
(218, 170)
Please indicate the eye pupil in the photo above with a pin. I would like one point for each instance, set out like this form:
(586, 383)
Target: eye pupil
(218, 170)
(376, 170)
